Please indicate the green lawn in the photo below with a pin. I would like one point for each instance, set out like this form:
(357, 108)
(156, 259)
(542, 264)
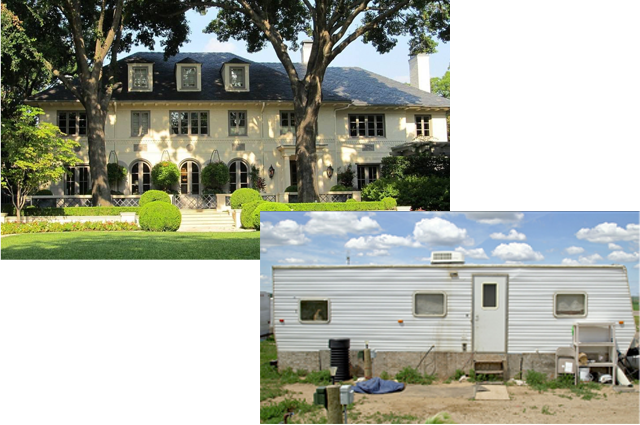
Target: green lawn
(132, 245)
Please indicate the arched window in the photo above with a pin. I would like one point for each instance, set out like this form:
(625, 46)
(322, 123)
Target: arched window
(140, 178)
(78, 181)
(238, 175)
(190, 178)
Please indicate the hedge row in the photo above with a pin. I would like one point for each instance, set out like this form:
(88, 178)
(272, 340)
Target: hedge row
(70, 211)
(46, 227)
(250, 216)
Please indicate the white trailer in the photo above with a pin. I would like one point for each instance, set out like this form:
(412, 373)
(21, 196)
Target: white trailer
(265, 313)
(457, 308)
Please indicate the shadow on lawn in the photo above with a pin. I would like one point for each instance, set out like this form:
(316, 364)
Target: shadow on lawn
(133, 245)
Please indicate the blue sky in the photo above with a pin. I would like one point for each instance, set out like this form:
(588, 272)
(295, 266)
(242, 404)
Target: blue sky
(320, 238)
(393, 64)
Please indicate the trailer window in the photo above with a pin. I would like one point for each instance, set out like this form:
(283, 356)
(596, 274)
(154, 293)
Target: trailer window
(570, 304)
(489, 295)
(314, 311)
(429, 304)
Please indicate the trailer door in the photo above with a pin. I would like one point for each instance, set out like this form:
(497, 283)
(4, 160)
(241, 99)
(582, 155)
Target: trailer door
(490, 313)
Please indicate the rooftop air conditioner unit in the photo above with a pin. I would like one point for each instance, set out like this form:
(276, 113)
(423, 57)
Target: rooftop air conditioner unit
(447, 257)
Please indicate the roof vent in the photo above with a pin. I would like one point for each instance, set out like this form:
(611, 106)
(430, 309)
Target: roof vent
(447, 257)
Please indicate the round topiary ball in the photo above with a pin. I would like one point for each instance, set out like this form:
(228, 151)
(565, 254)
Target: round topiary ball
(266, 206)
(153, 196)
(215, 175)
(352, 200)
(160, 216)
(293, 188)
(241, 196)
(246, 217)
(165, 174)
(389, 203)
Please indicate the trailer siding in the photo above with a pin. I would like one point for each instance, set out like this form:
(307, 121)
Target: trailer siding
(366, 304)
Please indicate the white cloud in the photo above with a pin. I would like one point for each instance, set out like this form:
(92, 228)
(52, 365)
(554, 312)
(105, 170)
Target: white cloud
(381, 242)
(291, 260)
(623, 257)
(570, 262)
(286, 232)
(436, 231)
(378, 253)
(516, 251)
(263, 249)
(573, 250)
(590, 259)
(473, 253)
(339, 223)
(495, 217)
(614, 247)
(263, 277)
(637, 266)
(213, 45)
(512, 236)
(610, 232)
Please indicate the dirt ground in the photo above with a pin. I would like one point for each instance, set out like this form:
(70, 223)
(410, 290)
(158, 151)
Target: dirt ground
(525, 405)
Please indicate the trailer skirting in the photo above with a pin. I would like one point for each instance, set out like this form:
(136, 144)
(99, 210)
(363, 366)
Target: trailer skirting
(442, 364)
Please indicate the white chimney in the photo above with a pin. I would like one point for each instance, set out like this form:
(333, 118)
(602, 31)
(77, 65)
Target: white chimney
(419, 72)
(306, 51)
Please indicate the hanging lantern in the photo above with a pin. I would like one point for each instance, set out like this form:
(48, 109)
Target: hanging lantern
(272, 171)
(215, 154)
(329, 171)
(165, 156)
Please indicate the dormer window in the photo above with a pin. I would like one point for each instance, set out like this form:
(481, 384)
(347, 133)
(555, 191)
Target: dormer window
(235, 75)
(140, 75)
(188, 75)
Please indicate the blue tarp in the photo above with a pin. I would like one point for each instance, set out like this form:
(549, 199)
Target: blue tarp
(378, 386)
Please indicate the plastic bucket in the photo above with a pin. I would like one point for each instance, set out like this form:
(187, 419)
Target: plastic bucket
(584, 374)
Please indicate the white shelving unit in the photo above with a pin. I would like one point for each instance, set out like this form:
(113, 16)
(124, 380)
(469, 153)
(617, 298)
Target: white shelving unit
(596, 339)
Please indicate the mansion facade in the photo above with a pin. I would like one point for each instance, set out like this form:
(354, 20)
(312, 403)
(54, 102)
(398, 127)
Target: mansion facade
(200, 107)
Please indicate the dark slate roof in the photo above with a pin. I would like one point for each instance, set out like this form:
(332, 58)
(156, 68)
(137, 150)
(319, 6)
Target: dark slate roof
(188, 60)
(268, 82)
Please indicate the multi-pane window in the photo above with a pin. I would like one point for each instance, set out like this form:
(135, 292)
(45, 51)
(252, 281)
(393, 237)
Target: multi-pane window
(140, 178)
(189, 77)
(140, 77)
(77, 181)
(287, 122)
(73, 123)
(238, 175)
(139, 123)
(571, 304)
(237, 123)
(314, 311)
(422, 125)
(429, 304)
(366, 125)
(190, 178)
(367, 173)
(237, 77)
(189, 122)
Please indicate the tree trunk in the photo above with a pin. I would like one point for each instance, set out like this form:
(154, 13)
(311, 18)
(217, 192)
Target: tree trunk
(100, 192)
(307, 104)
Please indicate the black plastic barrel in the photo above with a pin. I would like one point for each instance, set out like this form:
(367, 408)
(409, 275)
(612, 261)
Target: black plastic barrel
(340, 358)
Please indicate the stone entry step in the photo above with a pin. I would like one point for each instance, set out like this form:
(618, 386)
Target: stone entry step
(206, 221)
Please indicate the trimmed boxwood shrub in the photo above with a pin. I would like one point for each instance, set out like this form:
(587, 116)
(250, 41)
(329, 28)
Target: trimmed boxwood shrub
(43, 192)
(159, 216)
(340, 188)
(46, 227)
(389, 203)
(214, 176)
(266, 206)
(246, 216)
(351, 200)
(165, 174)
(241, 196)
(292, 188)
(153, 196)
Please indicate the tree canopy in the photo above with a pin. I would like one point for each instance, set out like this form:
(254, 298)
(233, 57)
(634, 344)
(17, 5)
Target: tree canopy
(441, 86)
